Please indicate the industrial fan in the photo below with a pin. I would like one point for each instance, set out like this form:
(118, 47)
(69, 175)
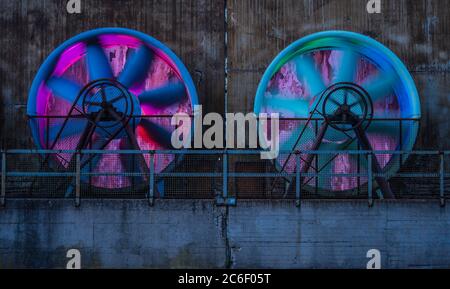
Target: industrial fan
(109, 88)
(340, 91)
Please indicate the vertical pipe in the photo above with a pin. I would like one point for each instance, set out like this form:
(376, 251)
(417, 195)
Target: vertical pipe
(3, 182)
(369, 178)
(151, 191)
(442, 180)
(77, 178)
(225, 176)
(297, 179)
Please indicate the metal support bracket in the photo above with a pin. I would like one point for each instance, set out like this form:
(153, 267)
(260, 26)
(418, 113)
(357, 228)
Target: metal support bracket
(221, 201)
(3, 180)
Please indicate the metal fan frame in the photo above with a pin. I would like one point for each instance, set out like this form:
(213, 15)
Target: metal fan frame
(370, 49)
(48, 66)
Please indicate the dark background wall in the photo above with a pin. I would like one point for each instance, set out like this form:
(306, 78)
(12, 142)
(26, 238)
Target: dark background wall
(257, 30)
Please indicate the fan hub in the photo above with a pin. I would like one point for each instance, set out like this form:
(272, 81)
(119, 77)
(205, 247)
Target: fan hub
(111, 106)
(346, 106)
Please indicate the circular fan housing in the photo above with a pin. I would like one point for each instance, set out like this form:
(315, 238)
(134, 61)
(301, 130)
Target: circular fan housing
(296, 80)
(140, 77)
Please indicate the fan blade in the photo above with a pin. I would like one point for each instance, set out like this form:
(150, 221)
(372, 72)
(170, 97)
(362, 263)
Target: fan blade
(90, 161)
(88, 164)
(158, 133)
(326, 161)
(97, 62)
(164, 95)
(347, 68)
(324, 171)
(362, 162)
(390, 128)
(130, 162)
(386, 113)
(332, 146)
(298, 106)
(380, 86)
(137, 66)
(130, 165)
(64, 88)
(306, 70)
(73, 127)
(288, 145)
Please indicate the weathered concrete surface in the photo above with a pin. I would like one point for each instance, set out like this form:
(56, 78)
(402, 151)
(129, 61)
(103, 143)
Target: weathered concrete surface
(112, 234)
(256, 234)
(338, 234)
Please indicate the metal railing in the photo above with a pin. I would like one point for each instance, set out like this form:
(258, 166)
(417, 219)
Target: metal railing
(226, 175)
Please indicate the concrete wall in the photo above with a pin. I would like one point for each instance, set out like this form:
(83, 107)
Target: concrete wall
(256, 234)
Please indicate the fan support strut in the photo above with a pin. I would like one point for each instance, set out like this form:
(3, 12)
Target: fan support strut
(106, 112)
(344, 119)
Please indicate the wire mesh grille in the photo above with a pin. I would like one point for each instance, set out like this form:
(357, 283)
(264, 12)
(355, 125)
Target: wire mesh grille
(201, 174)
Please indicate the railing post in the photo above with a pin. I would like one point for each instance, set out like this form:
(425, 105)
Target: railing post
(369, 178)
(297, 179)
(224, 199)
(3, 181)
(442, 179)
(151, 191)
(77, 178)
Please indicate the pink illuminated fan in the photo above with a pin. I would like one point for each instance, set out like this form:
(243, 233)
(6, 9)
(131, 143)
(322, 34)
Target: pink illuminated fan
(109, 89)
